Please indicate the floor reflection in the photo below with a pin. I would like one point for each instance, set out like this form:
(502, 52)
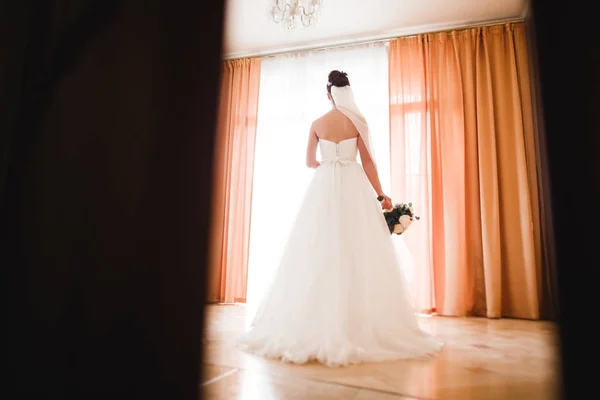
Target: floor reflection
(482, 359)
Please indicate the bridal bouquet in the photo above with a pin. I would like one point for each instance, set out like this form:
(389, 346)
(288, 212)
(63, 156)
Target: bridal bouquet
(399, 218)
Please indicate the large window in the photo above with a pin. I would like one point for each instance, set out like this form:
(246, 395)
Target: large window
(410, 146)
(292, 95)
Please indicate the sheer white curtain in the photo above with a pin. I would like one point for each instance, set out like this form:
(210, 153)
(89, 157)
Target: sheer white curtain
(293, 94)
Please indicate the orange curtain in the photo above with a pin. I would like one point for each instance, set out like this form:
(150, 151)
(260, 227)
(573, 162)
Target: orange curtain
(232, 181)
(463, 150)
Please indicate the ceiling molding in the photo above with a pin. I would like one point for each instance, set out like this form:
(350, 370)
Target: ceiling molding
(390, 35)
(526, 13)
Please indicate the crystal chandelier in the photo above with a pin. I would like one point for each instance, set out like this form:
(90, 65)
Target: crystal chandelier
(295, 13)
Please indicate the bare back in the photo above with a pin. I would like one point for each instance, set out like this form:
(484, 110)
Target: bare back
(334, 127)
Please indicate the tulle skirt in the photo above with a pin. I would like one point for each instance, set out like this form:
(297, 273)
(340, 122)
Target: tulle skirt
(338, 296)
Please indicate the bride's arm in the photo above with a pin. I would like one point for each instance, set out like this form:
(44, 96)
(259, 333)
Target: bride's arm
(371, 172)
(311, 149)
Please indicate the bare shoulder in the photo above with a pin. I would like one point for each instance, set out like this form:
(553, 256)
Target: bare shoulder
(324, 118)
(317, 122)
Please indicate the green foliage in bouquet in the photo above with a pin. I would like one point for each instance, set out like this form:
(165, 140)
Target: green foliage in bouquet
(400, 218)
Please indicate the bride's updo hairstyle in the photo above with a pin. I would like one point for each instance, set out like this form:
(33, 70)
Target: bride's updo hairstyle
(337, 78)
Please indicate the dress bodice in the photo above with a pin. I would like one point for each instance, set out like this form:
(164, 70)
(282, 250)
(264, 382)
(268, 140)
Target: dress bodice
(343, 151)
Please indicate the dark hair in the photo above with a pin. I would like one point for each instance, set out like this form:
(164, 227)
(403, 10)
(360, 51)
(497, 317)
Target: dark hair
(337, 78)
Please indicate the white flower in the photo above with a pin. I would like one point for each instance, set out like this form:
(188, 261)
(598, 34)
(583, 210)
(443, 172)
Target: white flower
(398, 228)
(405, 221)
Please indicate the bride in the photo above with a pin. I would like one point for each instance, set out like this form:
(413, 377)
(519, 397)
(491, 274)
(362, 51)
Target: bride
(339, 295)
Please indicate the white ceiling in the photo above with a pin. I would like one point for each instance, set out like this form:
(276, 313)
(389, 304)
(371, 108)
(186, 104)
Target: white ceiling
(250, 31)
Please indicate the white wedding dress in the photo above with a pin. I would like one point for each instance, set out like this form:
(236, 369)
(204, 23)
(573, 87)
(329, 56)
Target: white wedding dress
(339, 295)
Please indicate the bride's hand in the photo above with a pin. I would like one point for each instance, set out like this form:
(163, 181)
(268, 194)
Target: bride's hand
(386, 203)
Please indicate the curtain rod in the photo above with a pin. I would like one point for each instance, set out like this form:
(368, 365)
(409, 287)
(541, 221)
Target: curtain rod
(370, 39)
